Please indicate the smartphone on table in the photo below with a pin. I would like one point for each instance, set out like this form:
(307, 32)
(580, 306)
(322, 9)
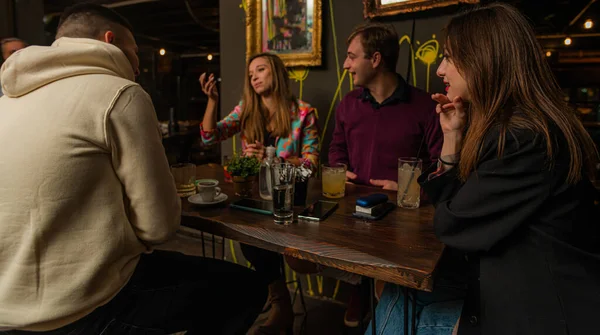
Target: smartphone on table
(252, 205)
(318, 211)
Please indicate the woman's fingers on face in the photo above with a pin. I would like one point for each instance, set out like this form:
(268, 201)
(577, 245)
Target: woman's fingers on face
(436, 98)
(438, 109)
(458, 103)
(448, 107)
(440, 98)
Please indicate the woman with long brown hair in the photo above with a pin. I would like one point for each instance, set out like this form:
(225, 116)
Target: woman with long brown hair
(267, 115)
(512, 189)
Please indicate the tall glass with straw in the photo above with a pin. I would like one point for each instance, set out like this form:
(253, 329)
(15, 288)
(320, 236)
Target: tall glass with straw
(409, 190)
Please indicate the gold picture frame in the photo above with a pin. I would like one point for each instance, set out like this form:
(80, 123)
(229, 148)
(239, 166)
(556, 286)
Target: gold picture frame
(291, 29)
(373, 8)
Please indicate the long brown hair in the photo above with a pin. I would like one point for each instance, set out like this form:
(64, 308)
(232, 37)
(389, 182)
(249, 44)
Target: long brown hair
(255, 115)
(495, 49)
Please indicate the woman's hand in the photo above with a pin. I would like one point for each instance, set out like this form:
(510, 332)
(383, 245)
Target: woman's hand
(385, 184)
(295, 161)
(257, 150)
(453, 115)
(209, 86)
(453, 120)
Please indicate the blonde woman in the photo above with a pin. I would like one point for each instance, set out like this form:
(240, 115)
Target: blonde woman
(268, 115)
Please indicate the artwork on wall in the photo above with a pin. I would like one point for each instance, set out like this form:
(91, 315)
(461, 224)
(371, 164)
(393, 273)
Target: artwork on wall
(374, 8)
(289, 28)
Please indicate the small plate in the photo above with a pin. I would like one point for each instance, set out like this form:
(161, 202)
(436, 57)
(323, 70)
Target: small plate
(197, 199)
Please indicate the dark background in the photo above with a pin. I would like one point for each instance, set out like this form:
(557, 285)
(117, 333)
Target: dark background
(190, 30)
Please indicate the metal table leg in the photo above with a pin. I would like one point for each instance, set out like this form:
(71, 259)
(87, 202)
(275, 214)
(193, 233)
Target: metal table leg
(414, 313)
(405, 310)
(372, 298)
(213, 246)
(202, 238)
(223, 248)
(409, 296)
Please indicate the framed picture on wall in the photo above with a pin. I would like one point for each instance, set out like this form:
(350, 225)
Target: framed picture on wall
(289, 28)
(374, 8)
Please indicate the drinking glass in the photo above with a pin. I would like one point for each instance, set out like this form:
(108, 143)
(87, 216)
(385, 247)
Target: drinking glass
(409, 190)
(283, 176)
(185, 178)
(334, 180)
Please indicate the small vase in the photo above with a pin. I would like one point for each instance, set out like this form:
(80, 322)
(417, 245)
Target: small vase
(243, 186)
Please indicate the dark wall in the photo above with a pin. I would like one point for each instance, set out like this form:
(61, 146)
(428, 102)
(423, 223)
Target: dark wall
(321, 83)
(22, 19)
(7, 27)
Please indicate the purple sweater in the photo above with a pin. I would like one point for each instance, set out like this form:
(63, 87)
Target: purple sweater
(370, 137)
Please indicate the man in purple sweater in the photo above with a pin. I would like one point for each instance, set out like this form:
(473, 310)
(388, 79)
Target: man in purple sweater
(384, 118)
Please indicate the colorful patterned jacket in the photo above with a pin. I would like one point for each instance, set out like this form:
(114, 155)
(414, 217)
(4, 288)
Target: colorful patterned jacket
(303, 141)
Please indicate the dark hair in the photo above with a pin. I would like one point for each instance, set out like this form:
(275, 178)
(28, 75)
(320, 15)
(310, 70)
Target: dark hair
(382, 38)
(88, 20)
(495, 50)
(12, 39)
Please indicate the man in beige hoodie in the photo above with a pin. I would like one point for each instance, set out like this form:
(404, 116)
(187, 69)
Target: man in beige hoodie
(86, 192)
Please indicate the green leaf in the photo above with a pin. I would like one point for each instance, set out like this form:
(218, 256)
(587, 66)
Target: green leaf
(243, 166)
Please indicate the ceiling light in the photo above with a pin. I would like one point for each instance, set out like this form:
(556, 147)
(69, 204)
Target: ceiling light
(568, 41)
(588, 24)
(209, 57)
(162, 52)
(548, 53)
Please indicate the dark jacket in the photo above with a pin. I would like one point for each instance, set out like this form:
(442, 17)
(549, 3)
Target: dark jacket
(532, 240)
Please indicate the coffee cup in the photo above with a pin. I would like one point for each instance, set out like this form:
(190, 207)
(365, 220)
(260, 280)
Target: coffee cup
(208, 190)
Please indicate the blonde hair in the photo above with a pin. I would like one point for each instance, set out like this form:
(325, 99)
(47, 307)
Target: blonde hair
(255, 114)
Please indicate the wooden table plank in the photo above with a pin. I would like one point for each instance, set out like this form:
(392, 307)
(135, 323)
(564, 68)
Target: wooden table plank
(401, 248)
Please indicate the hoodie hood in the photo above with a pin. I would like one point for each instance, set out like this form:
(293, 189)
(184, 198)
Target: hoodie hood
(37, 66)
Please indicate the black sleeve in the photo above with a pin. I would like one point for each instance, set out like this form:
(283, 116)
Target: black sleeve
(498, 197)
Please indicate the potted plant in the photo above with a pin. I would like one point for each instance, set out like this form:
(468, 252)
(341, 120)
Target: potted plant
(244, 171)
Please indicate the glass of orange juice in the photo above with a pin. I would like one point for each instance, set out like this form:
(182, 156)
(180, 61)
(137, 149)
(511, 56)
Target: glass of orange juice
(334, 180)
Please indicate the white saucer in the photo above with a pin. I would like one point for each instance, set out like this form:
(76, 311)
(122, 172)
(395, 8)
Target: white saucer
(197, 199)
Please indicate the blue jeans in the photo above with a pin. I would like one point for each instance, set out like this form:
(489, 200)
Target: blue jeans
(437, 311)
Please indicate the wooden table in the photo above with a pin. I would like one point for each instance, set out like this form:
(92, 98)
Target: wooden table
(401, 248)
